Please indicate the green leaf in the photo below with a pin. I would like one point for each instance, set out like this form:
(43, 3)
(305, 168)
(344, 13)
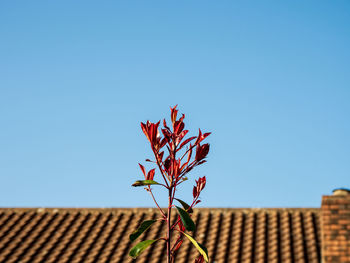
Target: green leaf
(186, 219)
(185, 206)
(144, 182)
(142, 228)
(140, 247)
(202, 249)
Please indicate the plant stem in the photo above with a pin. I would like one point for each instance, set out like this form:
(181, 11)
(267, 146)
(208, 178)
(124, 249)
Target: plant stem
(160, 167)
(161, 211)
(169, 226)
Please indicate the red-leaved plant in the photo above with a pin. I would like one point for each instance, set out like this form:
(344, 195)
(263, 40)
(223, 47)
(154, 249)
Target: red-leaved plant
(173, 167)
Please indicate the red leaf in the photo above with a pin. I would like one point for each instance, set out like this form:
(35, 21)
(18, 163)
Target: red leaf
(178, 127)
(176, 170)
(189, 154)
(205, 150)
(152, 132)
(144, 129)
(194, 191)
(182, 118)
(173, 114)
(199, 259)
(198, 153)
(201, 151)
(178, 245)
(143, 169)
(150, 174)
(187, 141)
(163, 142)
(165, 125)
(167, 164)
(202, 182)
(199, 137)
(206, 135)
(180, 224)
(182, 134)
(201, 162)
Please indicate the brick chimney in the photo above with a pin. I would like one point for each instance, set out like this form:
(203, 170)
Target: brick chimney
(335, 226)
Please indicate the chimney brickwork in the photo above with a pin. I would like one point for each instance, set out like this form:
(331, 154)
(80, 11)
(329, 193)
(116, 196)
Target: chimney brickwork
(335, 227)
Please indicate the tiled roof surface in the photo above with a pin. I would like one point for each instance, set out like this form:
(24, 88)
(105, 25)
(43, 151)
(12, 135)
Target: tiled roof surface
(102, 235)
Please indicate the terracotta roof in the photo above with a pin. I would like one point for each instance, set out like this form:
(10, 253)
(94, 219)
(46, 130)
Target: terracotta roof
(102, 235)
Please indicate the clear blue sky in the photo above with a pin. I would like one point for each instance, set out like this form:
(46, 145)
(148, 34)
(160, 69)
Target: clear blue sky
(269, 79)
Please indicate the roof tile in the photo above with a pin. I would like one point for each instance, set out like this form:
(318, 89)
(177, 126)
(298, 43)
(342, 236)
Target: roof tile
(102, 235)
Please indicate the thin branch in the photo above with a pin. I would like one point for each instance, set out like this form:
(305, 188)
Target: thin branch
(174, 246)
(188, 151)
(150, 191)
(160, 168)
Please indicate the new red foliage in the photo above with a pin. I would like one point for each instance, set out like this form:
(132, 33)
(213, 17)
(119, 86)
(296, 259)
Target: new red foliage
(173, 169)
